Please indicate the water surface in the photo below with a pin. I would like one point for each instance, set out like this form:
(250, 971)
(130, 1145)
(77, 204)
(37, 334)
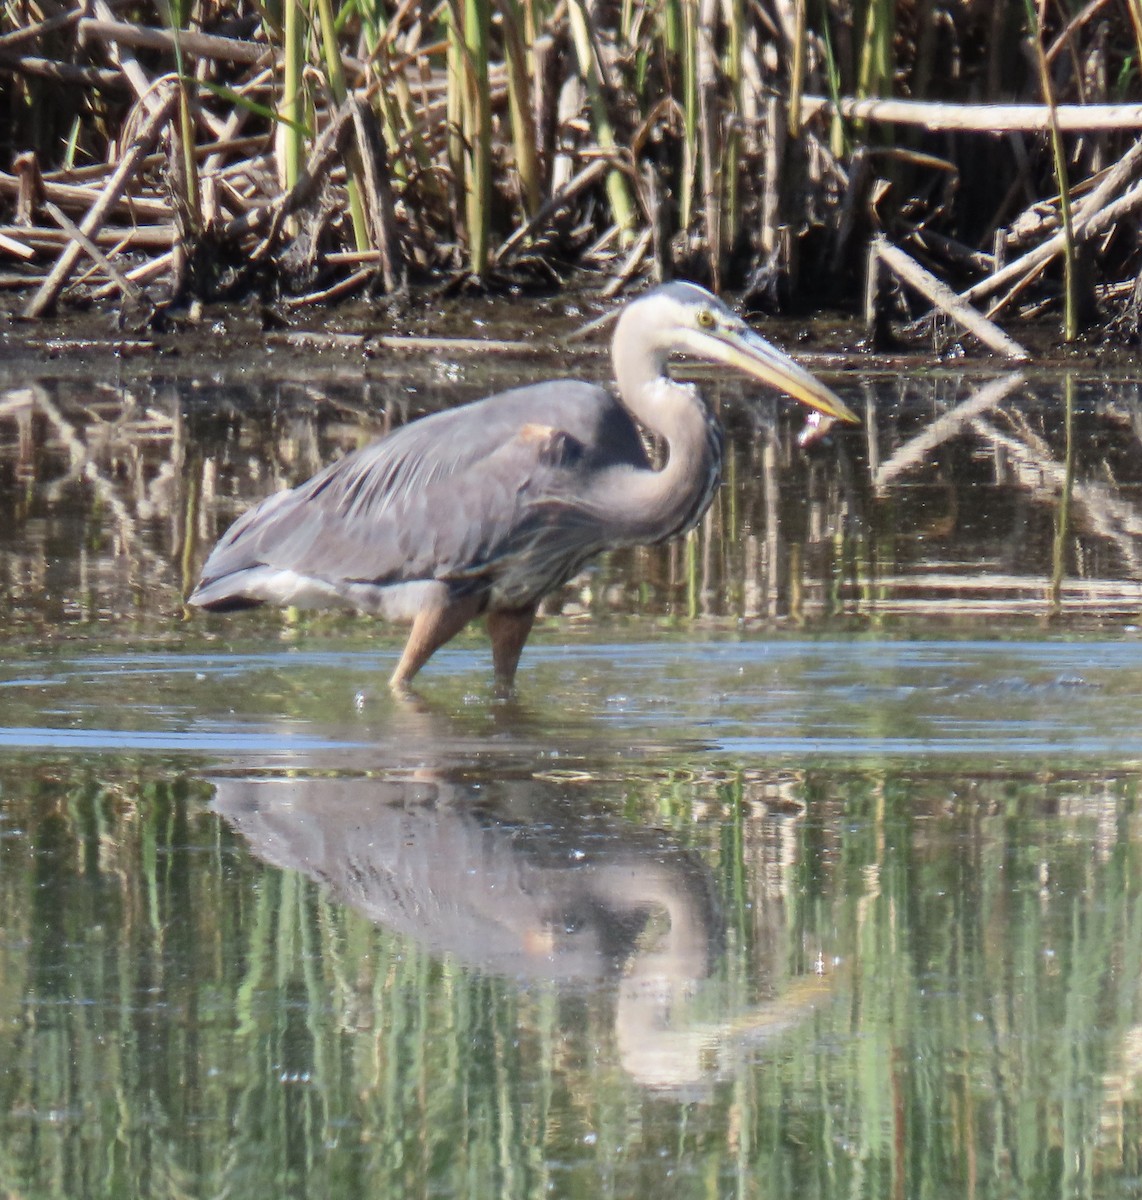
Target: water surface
(805, 863)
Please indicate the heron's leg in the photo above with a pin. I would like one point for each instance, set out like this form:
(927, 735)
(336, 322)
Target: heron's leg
(440, 620)
(508, 631)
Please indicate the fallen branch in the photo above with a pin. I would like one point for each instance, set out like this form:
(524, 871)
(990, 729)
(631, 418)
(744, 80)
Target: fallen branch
(101, 78)
(1093, 217)
(72, 195)
(993, 119)
(945, 299)
(130, 290)
(44, 299)
(198, 45)
(563, 197)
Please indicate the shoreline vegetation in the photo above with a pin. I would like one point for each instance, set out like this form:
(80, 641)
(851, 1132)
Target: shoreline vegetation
(939, 171)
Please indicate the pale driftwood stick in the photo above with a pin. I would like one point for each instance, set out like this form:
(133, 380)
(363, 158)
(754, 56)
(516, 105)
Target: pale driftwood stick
(586, 177)
(447, 346)
(1088, 212)
(16, 248)
(630, 267)
(143, 273)
(70, 195)
(45, 298)
(945, 427)
(982, 118)
(378, 193)
(131, 291)
(942, 296)
(337, 291)
(139, 80)
(45, 68)
(1035, 260)
(198, 45)
(43, 237)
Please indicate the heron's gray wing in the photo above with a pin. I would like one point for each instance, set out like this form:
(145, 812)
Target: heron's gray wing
(442, 498)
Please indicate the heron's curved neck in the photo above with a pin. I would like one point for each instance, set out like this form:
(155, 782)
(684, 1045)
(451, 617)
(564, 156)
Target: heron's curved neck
(655, 505)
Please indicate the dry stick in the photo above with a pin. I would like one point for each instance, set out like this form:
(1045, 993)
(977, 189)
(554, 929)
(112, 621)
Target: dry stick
(139, 80)
(43, 237)
(131, 291)
(942, 296)
(633, 262)
(378, 193)
(70, 195)
(31, 33)
(1087, 213)
(100, 78)
(143, 273)
(198, 45)
(586, 177)
(16, 248)
(945, 427)
(1098, 224)
(327, 150)
(982, 118)
(45, 298)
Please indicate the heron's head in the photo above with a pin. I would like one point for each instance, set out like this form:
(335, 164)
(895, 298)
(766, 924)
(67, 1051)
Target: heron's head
(684, 318)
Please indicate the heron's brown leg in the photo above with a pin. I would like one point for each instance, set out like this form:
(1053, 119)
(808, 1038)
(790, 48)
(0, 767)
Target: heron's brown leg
(508, 631)
(436, 623)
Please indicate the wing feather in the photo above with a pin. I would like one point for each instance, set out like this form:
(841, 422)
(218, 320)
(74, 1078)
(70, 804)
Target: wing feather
(448, 497)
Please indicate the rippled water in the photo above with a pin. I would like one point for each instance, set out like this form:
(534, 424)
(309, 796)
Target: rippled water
(806, 861)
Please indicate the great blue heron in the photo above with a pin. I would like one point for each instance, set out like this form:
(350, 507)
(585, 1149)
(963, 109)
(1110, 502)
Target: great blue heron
(488, 507)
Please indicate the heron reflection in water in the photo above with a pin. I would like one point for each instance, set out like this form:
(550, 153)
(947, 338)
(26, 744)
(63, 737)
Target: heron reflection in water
(486, 508)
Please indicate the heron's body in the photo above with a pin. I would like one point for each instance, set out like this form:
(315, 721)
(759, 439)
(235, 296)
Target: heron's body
(488, 507)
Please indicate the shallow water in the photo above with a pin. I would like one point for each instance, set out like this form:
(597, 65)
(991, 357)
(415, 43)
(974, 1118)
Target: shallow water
(806, 862)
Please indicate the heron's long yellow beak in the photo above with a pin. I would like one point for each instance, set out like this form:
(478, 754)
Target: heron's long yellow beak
(754, 356)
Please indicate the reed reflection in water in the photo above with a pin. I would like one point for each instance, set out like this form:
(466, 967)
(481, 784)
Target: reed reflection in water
(945, 508)
(819, 919)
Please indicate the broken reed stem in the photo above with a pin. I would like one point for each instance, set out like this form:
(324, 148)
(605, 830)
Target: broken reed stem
(335, 78)
(1093, 216)
(129, 289)
(618, 191)
(942, 297)
(994, 119)
(45, 298)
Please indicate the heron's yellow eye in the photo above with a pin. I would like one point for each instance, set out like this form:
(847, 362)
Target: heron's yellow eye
(705, 318)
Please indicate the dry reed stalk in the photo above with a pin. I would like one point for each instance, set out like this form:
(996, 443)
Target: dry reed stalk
(138, 237)
(709, 139)
(1093, 216)
(197, 45)
(942, 297)
(16, 248)
(45, 298)
(130, 290)
(563, 198)
(100, 79)
(591, 72)
(72, 196)
(991, 119)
